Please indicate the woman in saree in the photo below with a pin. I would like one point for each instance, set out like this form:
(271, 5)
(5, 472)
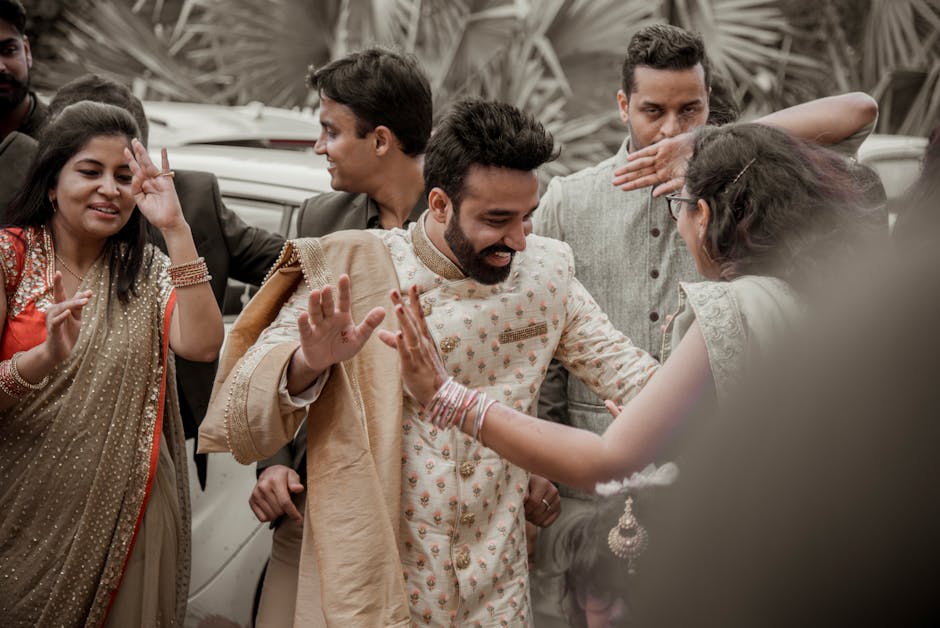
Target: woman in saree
(94, 505)
(761, 213)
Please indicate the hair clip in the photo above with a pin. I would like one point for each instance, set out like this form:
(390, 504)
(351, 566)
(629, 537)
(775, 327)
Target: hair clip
(743, 170)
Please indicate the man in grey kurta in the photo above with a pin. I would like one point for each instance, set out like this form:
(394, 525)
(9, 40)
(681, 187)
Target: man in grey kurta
(627, 250)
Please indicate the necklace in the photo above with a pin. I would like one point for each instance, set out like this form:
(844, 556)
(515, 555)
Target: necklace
(67, 269)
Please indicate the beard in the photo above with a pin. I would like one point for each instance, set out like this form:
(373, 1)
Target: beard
(474, 263)
(18, 91)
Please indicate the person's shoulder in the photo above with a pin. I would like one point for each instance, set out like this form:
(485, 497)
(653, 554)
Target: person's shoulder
(193, 177)
(543, 247)
(333, 199)
(194, 186)
(601, 171)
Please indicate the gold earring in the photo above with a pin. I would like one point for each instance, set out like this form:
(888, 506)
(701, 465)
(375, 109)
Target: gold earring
(628, 539)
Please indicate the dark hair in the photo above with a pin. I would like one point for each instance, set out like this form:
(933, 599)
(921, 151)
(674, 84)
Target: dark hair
(723, 107)
(101, 89)
(12, 12)
(592, 567)
(779, 206)
(663, 47)
(383, 88)
(59, 141)
(478, 132)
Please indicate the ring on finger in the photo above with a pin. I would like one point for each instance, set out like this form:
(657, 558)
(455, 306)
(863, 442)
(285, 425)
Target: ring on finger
(548, 506)
(167, 173)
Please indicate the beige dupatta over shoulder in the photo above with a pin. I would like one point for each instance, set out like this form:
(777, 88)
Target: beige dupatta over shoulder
(78, 460)
(353, 434)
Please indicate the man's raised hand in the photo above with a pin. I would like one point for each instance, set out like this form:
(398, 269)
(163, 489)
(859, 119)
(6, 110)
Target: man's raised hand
(328, 334)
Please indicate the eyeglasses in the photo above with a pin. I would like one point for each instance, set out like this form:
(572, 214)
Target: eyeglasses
(675, 204)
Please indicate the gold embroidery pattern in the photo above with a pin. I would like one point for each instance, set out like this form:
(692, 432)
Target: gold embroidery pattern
(431, 257)
(523, 333)
(317, 274)
(95, 424)
(35, 281)
(237, 434)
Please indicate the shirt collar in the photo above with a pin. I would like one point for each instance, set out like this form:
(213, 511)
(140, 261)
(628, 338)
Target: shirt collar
(372, 212)
(430, 255)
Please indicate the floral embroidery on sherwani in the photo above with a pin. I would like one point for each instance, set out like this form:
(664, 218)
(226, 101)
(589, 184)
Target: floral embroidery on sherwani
(462, 544)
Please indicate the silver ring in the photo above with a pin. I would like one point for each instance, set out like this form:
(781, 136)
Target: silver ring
(547, 505)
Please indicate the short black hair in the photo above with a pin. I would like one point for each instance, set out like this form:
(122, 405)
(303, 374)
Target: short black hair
(104, 90)
(483, 133)
(663, 47)
(383, 88)
(12, 12)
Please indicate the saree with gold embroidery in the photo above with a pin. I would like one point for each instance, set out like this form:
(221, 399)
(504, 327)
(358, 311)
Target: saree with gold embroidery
(93, 531)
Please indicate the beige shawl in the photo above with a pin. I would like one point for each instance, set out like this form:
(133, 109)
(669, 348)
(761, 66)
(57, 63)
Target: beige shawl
(78, 460)
(353, 432)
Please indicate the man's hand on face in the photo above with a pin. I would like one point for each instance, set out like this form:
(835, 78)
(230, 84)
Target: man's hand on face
(271, 496)
(328, 334)
(662, 164)
(542, 503)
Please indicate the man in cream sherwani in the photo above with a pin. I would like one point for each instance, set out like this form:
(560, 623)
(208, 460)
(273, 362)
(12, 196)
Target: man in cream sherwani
(407, 522)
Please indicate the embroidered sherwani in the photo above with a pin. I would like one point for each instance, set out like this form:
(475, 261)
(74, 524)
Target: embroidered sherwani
(461, 538)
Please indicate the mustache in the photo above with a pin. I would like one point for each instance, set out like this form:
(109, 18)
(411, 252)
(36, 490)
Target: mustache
(496, 248)
(6, 77)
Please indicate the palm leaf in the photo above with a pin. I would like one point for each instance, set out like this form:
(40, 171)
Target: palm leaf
(744, 39)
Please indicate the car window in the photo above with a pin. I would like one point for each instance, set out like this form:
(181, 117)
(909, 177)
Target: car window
(268, 216)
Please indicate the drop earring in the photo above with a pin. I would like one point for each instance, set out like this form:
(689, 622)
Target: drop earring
(628, 538)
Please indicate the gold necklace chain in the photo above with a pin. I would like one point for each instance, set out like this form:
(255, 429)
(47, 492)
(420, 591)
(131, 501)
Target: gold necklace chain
(69, 270)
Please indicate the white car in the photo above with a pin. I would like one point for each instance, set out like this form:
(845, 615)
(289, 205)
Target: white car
(230, 547)
(896, 159)
(252, 125)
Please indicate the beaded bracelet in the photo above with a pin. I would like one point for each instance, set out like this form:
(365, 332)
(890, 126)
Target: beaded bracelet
(15, 372)
(12, 383)
(189, 273)
(7, 384)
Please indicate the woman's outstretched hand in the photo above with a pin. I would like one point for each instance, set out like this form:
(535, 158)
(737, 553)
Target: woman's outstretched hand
(422, 370)
(153, 188)
(63, 321)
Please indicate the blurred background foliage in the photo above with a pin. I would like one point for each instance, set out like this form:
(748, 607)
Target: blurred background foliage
(559, 59)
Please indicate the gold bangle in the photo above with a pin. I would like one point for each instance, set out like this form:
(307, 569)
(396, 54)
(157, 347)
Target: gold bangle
(189, 273)
(15, 372)
(195, 281)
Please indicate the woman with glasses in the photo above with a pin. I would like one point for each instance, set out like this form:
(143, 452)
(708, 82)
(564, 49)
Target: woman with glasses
(761, 214)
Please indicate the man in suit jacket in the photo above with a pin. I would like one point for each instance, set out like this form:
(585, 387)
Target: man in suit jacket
(375, 110)
(21, 111)
(230, 247)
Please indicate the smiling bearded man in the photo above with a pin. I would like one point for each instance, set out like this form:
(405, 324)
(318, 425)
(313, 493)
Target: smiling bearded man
(406, 522)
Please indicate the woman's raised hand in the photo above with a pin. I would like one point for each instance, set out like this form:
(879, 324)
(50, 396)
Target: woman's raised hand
(63, 320)
(153, 188)
(422, 370)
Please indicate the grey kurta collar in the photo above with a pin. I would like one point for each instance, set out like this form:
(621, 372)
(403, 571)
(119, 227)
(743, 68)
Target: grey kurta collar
(429, 254)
